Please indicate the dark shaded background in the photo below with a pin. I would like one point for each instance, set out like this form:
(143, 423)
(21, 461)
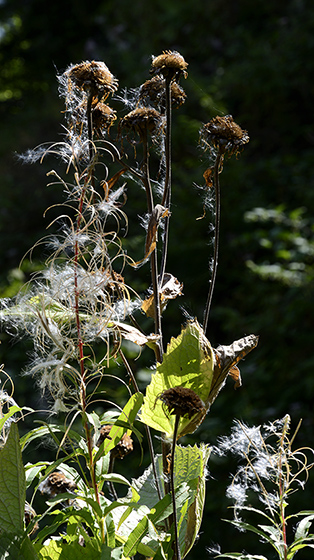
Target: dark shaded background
(253, 60)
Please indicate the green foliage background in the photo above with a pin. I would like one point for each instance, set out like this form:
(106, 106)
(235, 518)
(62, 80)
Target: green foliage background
(253, 60)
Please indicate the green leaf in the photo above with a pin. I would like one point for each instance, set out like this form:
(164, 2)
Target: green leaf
(127, 415)
(188, 362)
(58, 550)
(16, 546)
(12, 410)
(303, 527)
(12, 483)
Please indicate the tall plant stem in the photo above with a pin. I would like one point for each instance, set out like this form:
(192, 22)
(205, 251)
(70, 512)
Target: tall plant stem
(148, 433)
(153, 257)
(217, 168)
(166, 200)
(177, 553)
(78, 323)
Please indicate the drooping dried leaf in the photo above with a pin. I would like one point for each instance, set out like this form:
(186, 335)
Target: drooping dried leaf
(226, 358)
(157, 214)
(107, 185)
(134, 335)
(234, 372)
(170, 289)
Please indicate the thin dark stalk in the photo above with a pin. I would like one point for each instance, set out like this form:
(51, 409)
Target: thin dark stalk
(148, 433)
(217, 168)
(177, 552)
(111, 485)
(166, 200)
(153, 257)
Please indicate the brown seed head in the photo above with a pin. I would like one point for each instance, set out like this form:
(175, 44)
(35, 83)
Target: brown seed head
(123, 448)
(29, 514)
(94, 77)
(141, 120)
(181, 401)
(224, 134)
(103, 118)
(57, 483)
(170, 64)
(153, 91)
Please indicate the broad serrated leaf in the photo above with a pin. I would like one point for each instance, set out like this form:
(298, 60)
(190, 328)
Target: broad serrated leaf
(188, 362)
(16, 546)
(12, 483)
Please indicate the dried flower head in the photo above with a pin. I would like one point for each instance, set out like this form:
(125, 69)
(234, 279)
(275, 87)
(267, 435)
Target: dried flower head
(123, 448)
(181, 401)
(94, 77)
(153, 91)
(141, 121)
(103, 118)
(170, 64)
(224, 135)
(29, 514)
(57, 483)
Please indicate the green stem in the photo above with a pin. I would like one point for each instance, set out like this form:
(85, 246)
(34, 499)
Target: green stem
(148, 433)
(177, 553)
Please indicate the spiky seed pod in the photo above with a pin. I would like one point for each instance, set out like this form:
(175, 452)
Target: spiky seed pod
(153, 91)
(123, 448)
(170, 64)
(94, 77)
(103, 118)
(181, 401)
(224, 134)
(141, 121)
(57, 483)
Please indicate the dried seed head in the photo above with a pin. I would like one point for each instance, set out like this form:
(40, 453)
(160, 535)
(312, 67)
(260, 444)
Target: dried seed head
(181, 401)
(94, 77)
(123, 448)
(224, 134)
(153, 91)
(103, 118)
(141, 121)
(170, 64)
(57, 483)
(29, 514)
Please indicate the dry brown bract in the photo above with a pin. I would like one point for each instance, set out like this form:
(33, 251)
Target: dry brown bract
(224, 134)
(181, 401)
(93, 76)
(170, 64)
(141, 121)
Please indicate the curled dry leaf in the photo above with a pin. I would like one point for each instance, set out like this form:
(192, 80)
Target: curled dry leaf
(135, 335)
(170, 289)
(157, 214)
(227, 358)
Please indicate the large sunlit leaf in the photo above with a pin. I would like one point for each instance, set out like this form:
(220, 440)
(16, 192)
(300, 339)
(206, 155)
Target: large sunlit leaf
(12, 483)
(57, 550)
(188, 362)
